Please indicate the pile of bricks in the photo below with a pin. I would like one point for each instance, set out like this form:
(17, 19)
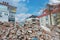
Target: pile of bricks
(9, 32)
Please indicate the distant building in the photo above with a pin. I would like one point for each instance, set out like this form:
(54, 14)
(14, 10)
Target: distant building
(7, 12)
(32, 20)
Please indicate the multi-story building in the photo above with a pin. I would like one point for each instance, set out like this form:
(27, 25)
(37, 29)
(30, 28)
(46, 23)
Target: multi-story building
(4, 12)
(12, 12)
(32, 20)
(44, 19)
(50, 16)
(7, 12)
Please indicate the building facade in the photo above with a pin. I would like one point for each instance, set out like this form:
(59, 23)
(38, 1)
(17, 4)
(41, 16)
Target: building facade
(12, 12)
(50, 16)
(7, 12)
(32, 20)
(4, 13)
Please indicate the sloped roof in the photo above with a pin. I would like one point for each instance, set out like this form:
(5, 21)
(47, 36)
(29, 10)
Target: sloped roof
(32, 16)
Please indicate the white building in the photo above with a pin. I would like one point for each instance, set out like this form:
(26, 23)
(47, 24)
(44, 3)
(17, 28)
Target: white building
(7, 12)
(4, 13)
(32, 20)
(54, 1)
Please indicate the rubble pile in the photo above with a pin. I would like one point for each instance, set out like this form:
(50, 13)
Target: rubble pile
(9, 32)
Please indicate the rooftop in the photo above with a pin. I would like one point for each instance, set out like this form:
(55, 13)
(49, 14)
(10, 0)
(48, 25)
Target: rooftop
(6, 4)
